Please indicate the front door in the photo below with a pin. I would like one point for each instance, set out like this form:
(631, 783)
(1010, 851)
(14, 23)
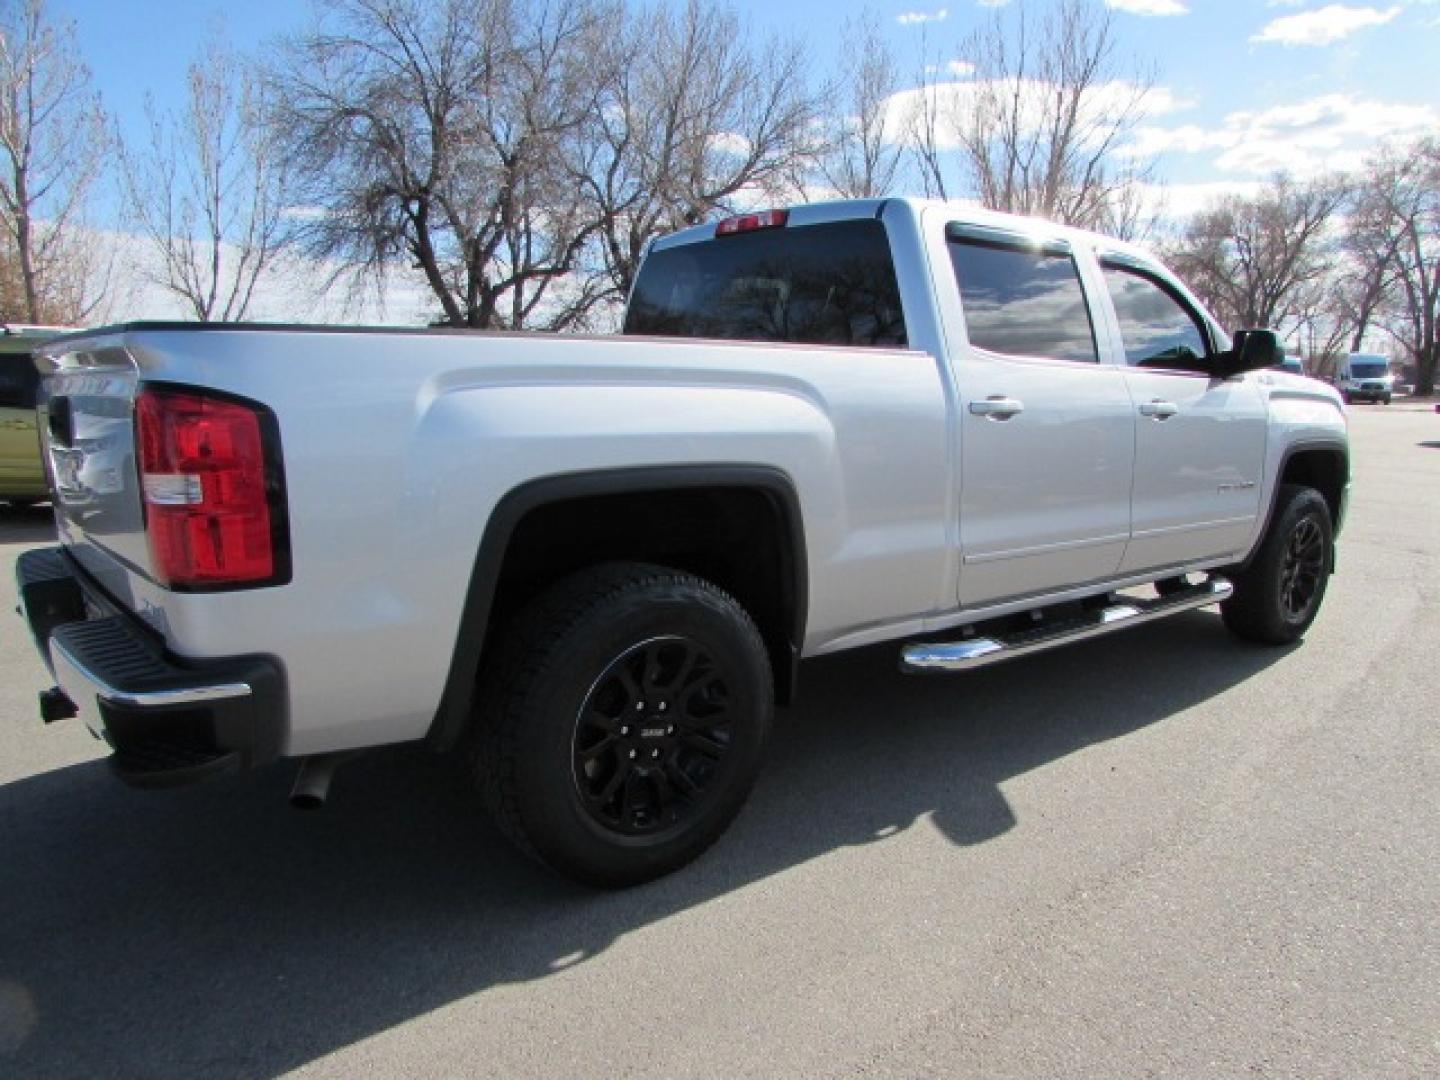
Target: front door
(1199, 441)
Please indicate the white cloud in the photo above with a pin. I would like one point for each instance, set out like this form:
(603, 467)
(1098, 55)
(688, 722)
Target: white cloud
(958, 99)
(295, 291)
(730, 142)
(1149, 7)
(1324, 26)
(1177, 201)
(916, 18)
(1323, 134)
(958, 69)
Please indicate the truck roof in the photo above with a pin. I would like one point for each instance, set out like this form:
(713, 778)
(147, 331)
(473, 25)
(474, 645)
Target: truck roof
(963, 211)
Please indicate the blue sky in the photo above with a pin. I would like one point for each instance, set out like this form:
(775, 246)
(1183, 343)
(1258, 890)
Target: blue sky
(1244, 85)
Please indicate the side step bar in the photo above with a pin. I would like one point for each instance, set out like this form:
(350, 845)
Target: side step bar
(977, 652)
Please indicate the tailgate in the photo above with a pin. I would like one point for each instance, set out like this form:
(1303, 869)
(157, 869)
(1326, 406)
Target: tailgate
(87, 435)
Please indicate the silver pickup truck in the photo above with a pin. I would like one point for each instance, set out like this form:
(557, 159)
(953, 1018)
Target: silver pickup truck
(594, 563)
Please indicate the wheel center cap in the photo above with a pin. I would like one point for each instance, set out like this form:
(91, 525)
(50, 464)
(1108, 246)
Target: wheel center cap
(654, 728)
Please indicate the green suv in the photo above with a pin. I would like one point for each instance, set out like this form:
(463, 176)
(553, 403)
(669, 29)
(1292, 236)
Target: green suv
(22, 475)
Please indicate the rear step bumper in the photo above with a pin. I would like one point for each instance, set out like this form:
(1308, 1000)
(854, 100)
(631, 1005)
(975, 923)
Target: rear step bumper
(169, 720)
(977, 652)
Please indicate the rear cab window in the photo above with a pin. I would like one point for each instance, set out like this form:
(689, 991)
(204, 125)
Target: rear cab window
(828, 284)
(1021, 298)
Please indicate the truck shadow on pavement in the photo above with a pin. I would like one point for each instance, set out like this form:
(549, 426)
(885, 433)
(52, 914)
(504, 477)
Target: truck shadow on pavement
(214, 930)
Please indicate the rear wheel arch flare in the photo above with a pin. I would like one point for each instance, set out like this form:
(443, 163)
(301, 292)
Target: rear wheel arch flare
(659, 514)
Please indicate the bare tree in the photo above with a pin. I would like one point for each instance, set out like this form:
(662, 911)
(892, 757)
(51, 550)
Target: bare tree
(923, 134)
(1403, 194)
(208, 191)
(1324, 320)
(1370, 268)
(863, 153)
(1035, 127)
(435, 133)
(52, 147)
(691, 117)
(1255, 261)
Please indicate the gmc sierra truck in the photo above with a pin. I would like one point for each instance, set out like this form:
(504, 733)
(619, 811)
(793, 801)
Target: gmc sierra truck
(594, 563)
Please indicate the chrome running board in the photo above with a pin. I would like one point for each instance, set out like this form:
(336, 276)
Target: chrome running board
(977, 652)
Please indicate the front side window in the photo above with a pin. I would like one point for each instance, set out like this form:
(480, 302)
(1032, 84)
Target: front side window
(1156, 328)
(827, 284)
(1022, 301)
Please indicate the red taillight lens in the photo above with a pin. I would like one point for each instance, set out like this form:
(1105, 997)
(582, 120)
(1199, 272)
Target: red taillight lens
(209, 516)
(766, 219)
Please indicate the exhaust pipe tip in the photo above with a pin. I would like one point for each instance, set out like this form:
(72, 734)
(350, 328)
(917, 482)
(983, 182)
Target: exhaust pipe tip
(312, 783)
(307, 800)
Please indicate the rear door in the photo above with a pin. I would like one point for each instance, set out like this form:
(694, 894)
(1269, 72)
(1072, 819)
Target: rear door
(1199, 441)
(1047, 435)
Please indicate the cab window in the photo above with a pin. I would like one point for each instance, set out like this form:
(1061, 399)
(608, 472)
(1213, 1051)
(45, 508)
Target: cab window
(1157, 328)
(827, 284)
(1021, 300)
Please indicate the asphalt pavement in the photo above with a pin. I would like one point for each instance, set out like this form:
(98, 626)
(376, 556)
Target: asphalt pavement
(1165, 853)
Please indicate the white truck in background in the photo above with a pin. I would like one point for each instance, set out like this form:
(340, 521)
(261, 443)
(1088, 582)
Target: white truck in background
(595, 562)
(1365, 377)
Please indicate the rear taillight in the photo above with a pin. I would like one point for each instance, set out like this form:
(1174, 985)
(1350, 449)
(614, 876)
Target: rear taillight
(214, 497)
(765, 219)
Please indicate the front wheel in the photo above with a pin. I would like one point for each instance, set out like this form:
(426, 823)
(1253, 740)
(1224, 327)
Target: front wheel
(1278, 595)
(623, 722)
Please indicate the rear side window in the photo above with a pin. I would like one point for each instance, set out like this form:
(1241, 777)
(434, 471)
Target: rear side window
(1156, 327)
(831, 284)
(1022, 301)
(19, 381)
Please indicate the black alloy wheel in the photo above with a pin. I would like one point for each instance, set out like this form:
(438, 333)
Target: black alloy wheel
(652, 736)
(622, 722)
(1278, 593)
(1302, 567)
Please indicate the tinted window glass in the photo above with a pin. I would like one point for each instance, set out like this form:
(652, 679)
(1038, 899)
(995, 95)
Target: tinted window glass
(19, 381)
(822, 284)
(1156, 329)
(1022, 302)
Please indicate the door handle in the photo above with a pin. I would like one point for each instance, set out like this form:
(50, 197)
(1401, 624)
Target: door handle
(996, 407)
(1159, 410)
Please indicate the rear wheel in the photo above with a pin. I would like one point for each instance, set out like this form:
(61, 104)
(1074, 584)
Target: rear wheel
(623, 722)
(1278, 595)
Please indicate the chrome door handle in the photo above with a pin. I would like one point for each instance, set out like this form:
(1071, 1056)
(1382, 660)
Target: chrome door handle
(1159, 410)
(997, 408)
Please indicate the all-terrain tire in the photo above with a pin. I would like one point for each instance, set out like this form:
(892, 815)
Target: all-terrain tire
(663, 656)
(1279, 594)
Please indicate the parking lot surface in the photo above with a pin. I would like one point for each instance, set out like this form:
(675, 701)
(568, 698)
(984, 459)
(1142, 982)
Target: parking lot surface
(1161, 853)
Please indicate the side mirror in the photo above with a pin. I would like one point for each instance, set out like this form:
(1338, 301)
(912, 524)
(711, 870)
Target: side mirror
(1252, 351)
